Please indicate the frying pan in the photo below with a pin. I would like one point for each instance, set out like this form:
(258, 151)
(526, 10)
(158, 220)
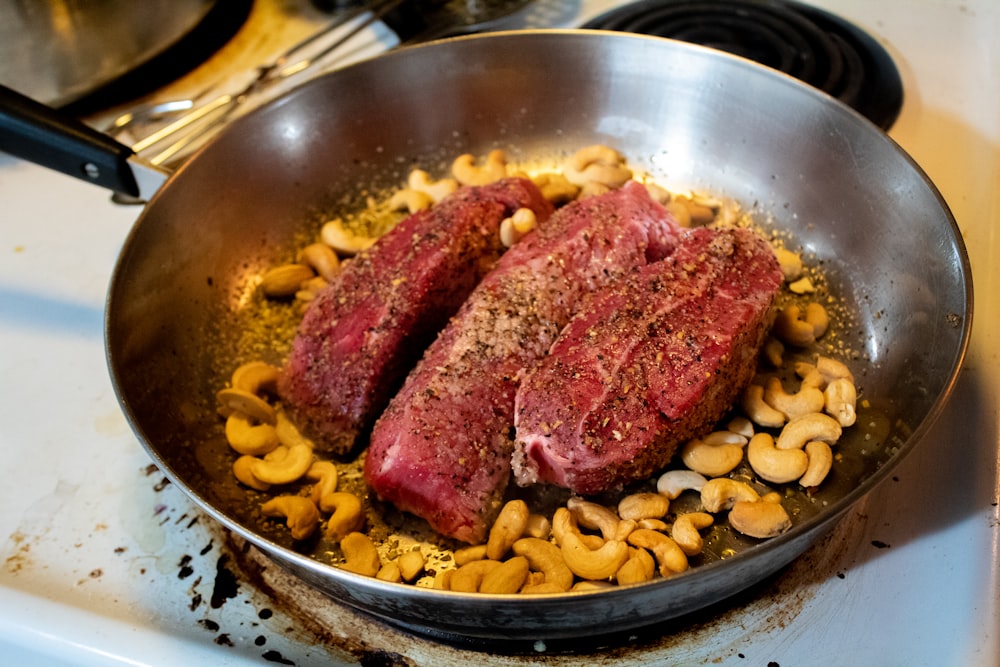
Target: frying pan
(182, 310)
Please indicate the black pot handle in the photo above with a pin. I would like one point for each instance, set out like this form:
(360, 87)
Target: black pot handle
(37, 133)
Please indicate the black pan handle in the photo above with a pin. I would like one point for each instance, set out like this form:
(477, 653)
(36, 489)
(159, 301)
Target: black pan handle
(39, 134)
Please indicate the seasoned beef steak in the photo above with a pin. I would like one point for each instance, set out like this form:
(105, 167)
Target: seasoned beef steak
(364, 332)
(647, 364)
(442, 448)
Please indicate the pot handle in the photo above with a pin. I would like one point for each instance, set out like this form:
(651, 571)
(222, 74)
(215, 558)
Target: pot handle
(37, 133)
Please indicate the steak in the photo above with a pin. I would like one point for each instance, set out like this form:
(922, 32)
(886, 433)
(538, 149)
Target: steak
(442, 448)
(363, 333)
(647, 364)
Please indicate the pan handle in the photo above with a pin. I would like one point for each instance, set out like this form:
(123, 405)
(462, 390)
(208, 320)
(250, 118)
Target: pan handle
(39, 134)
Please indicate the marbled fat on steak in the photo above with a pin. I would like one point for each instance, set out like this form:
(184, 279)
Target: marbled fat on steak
(367, 329)
(442, 449)
(647, 364)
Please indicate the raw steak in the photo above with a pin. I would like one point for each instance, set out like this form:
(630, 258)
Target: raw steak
(442, 448)
(647, 364)
(364, 332)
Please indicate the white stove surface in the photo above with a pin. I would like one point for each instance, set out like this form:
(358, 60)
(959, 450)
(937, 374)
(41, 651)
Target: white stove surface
(103, 563)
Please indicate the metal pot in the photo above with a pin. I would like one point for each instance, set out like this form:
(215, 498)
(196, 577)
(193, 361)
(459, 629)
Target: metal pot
(59, 51)
(694, 118)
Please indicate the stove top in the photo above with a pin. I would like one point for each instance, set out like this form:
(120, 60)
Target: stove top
(805, 42)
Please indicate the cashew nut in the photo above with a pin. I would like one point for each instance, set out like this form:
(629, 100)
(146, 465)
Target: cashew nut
(685, 531)
(310, 288)
(820, 461)
(442, 580)
(790, 263)
(514, 228)
(468, 577)
(538, 526)
(340, 238)
(256, 377)
(232, 400)
(323, 259)
(248, 438)
(421, 181)
(347, 516)
(597, 164)
(659, 194)
(741, 426)
(468, 554)
(809, 374)
(466, 172)
(775, 465)
(591, 188)
(638, 506)
(556, 188)
(540, 589)
(625, 528)
(710, 460)
(803, 285)
(653, 524)
(243, 473)
(690, 212)
(285, 280)
(507, 528)
(545, 557)
(600, 563)
(806, 400)
(288, 433)
(507, 578)
(410, 564)
(841, 400)
(722, 492)
(389, 572)
(669, 556)
(410, 200)
(588, 586)
(758, 410)
(360, 555)
(801, 329)
(817, 317)
(291, 466)
(832, 369)
(640, 567)
(325, 476)
(774, 352)
(771, 497)
(674, 482)
(759, 519)
(300, 513)
(593, 516)
(815, 426)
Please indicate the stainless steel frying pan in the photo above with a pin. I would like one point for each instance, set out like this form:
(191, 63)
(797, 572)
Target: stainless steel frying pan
(181, 310)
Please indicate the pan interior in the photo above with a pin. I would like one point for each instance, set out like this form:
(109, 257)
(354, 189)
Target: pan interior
(182, 309)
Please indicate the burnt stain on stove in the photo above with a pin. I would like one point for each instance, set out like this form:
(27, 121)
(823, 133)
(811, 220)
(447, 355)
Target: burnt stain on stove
(275, 657)
(382, 659)
(209, 624)
(185, 570)
(226, 585)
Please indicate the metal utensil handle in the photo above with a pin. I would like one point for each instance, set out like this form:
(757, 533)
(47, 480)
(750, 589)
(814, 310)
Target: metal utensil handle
(188, 127)
(35, 132)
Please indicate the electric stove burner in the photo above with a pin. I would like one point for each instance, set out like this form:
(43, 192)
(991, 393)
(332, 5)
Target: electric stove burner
(807, 43)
